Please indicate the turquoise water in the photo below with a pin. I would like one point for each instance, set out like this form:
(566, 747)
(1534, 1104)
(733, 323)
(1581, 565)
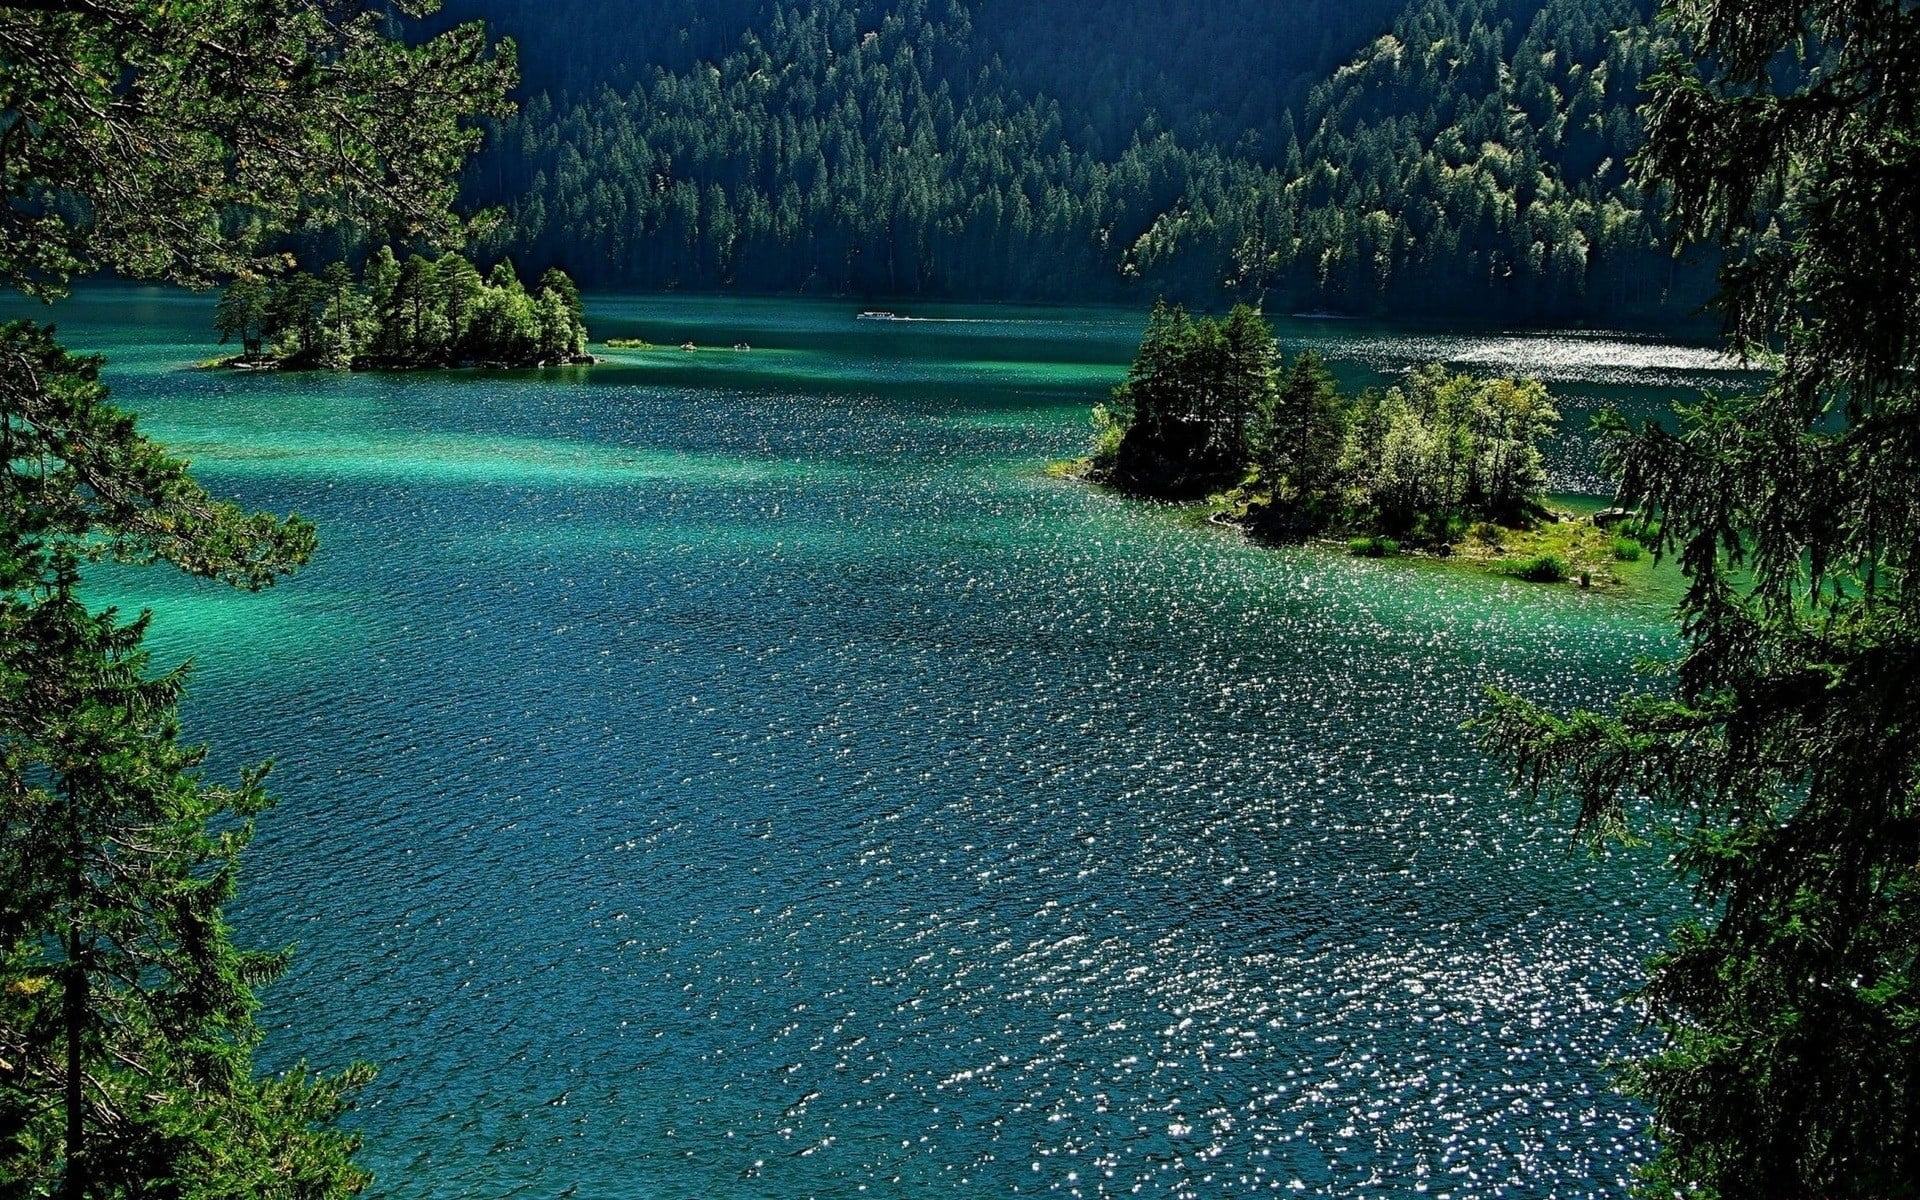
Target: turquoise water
(747, 774)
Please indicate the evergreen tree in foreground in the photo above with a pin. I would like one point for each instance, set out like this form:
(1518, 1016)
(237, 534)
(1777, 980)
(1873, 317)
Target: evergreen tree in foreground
(164, 141)
(1785, 762)
(126, 1010)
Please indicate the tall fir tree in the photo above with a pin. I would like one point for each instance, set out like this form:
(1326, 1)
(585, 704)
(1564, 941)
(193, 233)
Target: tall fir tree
(1304, 433)
(1785, 763)
(135, 135)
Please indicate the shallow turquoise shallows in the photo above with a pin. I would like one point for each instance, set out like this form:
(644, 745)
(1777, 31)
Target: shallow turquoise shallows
(746, 773)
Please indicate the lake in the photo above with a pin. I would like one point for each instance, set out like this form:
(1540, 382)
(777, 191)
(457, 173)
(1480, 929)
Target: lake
(749, 774)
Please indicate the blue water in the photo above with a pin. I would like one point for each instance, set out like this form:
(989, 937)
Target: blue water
(748, 774)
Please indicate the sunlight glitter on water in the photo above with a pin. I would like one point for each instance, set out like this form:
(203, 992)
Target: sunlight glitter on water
(859, 812)
(1555, 357)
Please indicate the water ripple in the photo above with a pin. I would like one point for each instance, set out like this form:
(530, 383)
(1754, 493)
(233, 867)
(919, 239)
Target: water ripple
(863, 813)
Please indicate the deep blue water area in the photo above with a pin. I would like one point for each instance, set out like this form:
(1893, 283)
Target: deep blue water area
(747, 773)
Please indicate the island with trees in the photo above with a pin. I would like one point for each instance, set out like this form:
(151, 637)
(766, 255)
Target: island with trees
(424, 312)
(1442, 462)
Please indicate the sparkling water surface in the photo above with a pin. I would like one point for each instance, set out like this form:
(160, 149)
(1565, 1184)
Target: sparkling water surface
(749, 774)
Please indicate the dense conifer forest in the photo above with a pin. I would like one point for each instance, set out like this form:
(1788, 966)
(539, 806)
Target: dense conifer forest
(1443, 155)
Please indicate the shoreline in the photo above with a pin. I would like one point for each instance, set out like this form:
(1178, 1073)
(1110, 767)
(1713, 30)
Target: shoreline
(273, 366)
(1586, 549)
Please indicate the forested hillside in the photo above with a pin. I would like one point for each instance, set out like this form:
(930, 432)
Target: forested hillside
(557, 59)
(1224, 72)
(1471, 154)
(1465, 155)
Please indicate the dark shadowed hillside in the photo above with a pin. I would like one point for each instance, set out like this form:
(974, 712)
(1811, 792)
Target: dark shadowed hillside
(1444, 154)
(1213, 72)
(574, 46)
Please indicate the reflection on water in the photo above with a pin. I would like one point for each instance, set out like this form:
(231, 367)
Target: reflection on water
(704, 778)
(1565, 357)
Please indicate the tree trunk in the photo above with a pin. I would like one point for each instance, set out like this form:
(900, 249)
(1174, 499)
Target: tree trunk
(74, 1004)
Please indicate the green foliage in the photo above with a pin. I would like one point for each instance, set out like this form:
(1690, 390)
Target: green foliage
(1538, 568)
(114, 959)
(1192, 399)
(1473, 156)
(1109, 431)
(168, 144)
(116, 857)
(168, 141)
(1625, 549)
(245, 311)
(420, 313)
(78, 474)
(1785, 762)
(1230, 75)
(1303, 433)
(1444, 449)
(1373, 546)
(1225, 76)
(1207, 402)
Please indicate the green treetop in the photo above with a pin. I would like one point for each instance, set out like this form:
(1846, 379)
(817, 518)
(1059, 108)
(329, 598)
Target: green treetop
(344, 317)
(1304, 433)
(418, 313)
(245, 311)
(1190, 401)
(459, 287)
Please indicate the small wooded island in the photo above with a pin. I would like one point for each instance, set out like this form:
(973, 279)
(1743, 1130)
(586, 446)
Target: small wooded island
(425, 312)
(1447, 463)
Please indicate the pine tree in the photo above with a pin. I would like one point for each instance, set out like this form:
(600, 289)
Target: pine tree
(1247, 383)
(382, 276)
(245, 311)
(126, 1010)
(123, 991)
(1303, 434)
(298, 311)
(558, 281)
(458, 286)
(414, 330)
(343, 317)
(1784, 765)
